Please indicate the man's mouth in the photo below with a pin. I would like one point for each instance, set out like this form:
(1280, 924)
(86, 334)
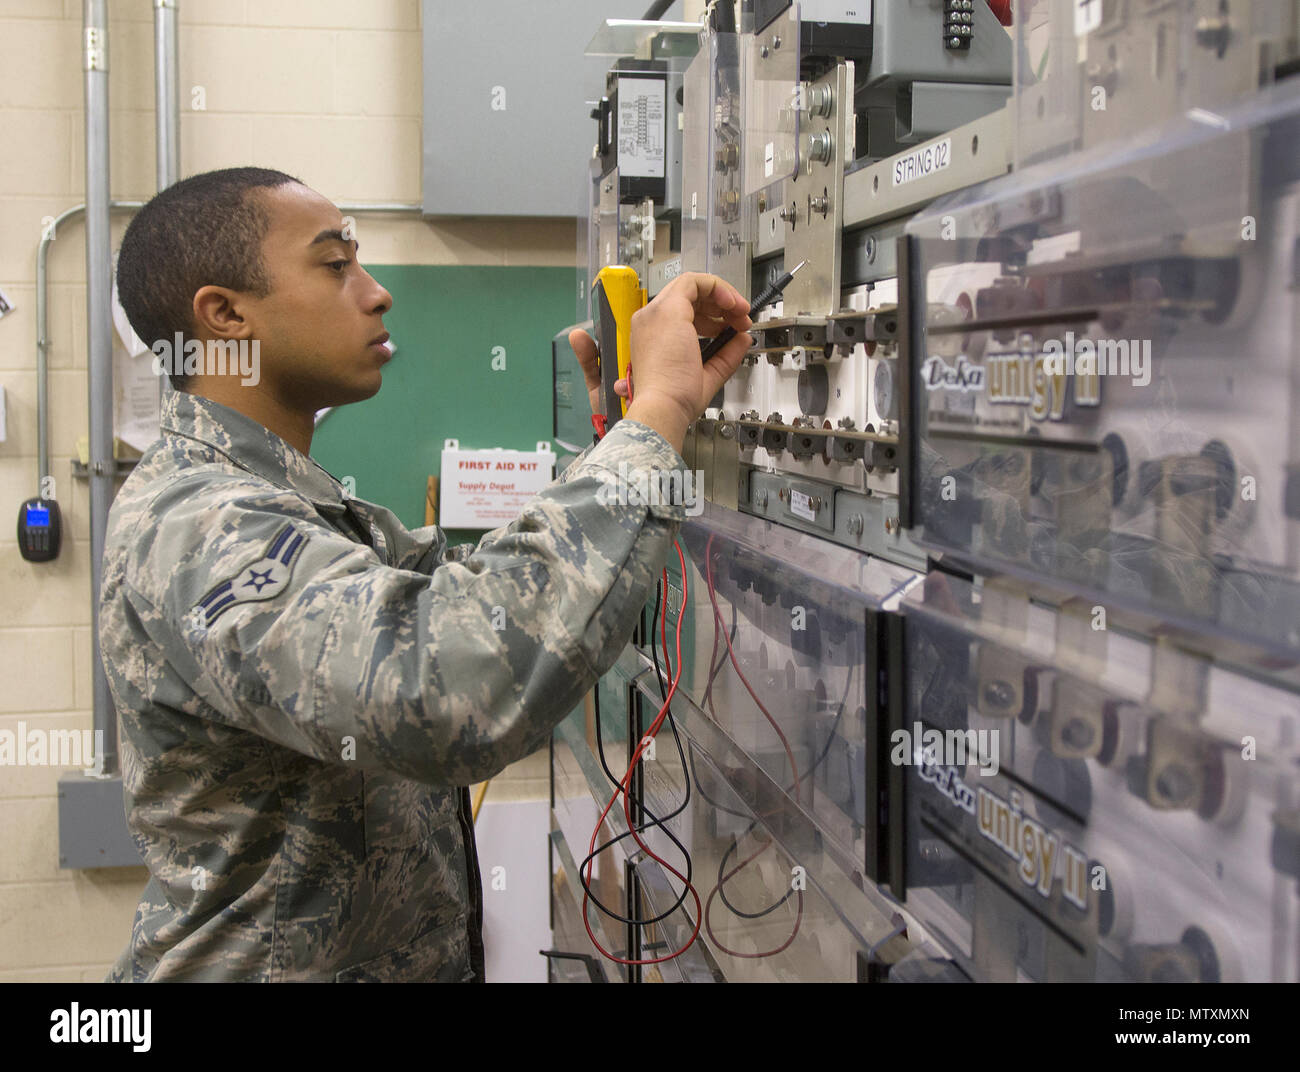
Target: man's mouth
(382, 343)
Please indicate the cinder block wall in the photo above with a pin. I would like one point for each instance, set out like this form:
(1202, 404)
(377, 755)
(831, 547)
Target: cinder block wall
(328, 90)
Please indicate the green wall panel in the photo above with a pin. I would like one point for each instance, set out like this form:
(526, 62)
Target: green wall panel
(445, 323)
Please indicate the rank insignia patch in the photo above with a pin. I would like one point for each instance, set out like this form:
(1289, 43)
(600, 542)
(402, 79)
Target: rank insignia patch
(264, 579)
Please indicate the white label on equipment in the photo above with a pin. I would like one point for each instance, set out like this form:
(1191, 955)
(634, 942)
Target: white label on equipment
(801, 505)
(769, 159)
(483, 489)
(641, 127)
(695, 198)
(1087, 16)
(923, 161)
(835, 11)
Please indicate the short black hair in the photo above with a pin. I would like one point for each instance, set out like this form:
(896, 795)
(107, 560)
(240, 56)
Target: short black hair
(203, 231)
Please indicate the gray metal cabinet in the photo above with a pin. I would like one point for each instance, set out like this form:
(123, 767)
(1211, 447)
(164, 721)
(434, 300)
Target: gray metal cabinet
(506, 126)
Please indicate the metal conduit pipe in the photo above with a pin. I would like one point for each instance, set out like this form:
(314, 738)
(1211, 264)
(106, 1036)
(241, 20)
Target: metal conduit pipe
(167, 91)
(167, 112)
(99, 353)
(43, 325)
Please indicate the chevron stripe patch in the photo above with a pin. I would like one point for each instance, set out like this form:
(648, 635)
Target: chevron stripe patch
(264, 579)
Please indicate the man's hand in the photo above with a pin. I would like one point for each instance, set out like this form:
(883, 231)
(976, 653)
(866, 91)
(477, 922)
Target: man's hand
(673, 385)
(584, 347)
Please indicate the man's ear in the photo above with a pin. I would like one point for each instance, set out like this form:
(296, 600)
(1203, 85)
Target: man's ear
(218, 313)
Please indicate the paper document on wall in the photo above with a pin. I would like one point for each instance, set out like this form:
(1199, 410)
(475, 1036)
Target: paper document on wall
(133, 343)
(135, 398)
(135, 385)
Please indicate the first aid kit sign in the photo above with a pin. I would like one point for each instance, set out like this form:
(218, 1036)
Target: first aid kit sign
(484, 489)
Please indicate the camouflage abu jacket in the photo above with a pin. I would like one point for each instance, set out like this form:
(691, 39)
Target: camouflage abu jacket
(304, 686)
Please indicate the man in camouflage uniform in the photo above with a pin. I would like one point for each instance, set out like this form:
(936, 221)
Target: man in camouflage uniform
(305, 687)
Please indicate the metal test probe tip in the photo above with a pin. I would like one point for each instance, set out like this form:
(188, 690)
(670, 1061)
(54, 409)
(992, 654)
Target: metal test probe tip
(762, 300)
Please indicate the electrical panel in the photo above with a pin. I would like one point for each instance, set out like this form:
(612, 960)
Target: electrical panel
(984, 642)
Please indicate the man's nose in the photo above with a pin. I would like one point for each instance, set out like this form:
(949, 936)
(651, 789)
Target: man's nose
(381, 301)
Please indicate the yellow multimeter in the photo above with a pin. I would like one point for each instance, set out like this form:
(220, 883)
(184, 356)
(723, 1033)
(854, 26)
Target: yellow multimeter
(615, 296)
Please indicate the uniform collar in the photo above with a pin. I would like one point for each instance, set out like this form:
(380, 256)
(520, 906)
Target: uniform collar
(249, 445)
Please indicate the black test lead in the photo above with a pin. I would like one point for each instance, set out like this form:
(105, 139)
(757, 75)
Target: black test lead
(765, 297)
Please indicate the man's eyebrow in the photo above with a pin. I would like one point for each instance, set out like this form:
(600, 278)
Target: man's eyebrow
(334, 236)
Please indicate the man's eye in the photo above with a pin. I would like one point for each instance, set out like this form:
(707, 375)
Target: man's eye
(338, 266)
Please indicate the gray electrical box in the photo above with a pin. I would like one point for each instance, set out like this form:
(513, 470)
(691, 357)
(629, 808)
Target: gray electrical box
(506, 120)
(92, 823)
